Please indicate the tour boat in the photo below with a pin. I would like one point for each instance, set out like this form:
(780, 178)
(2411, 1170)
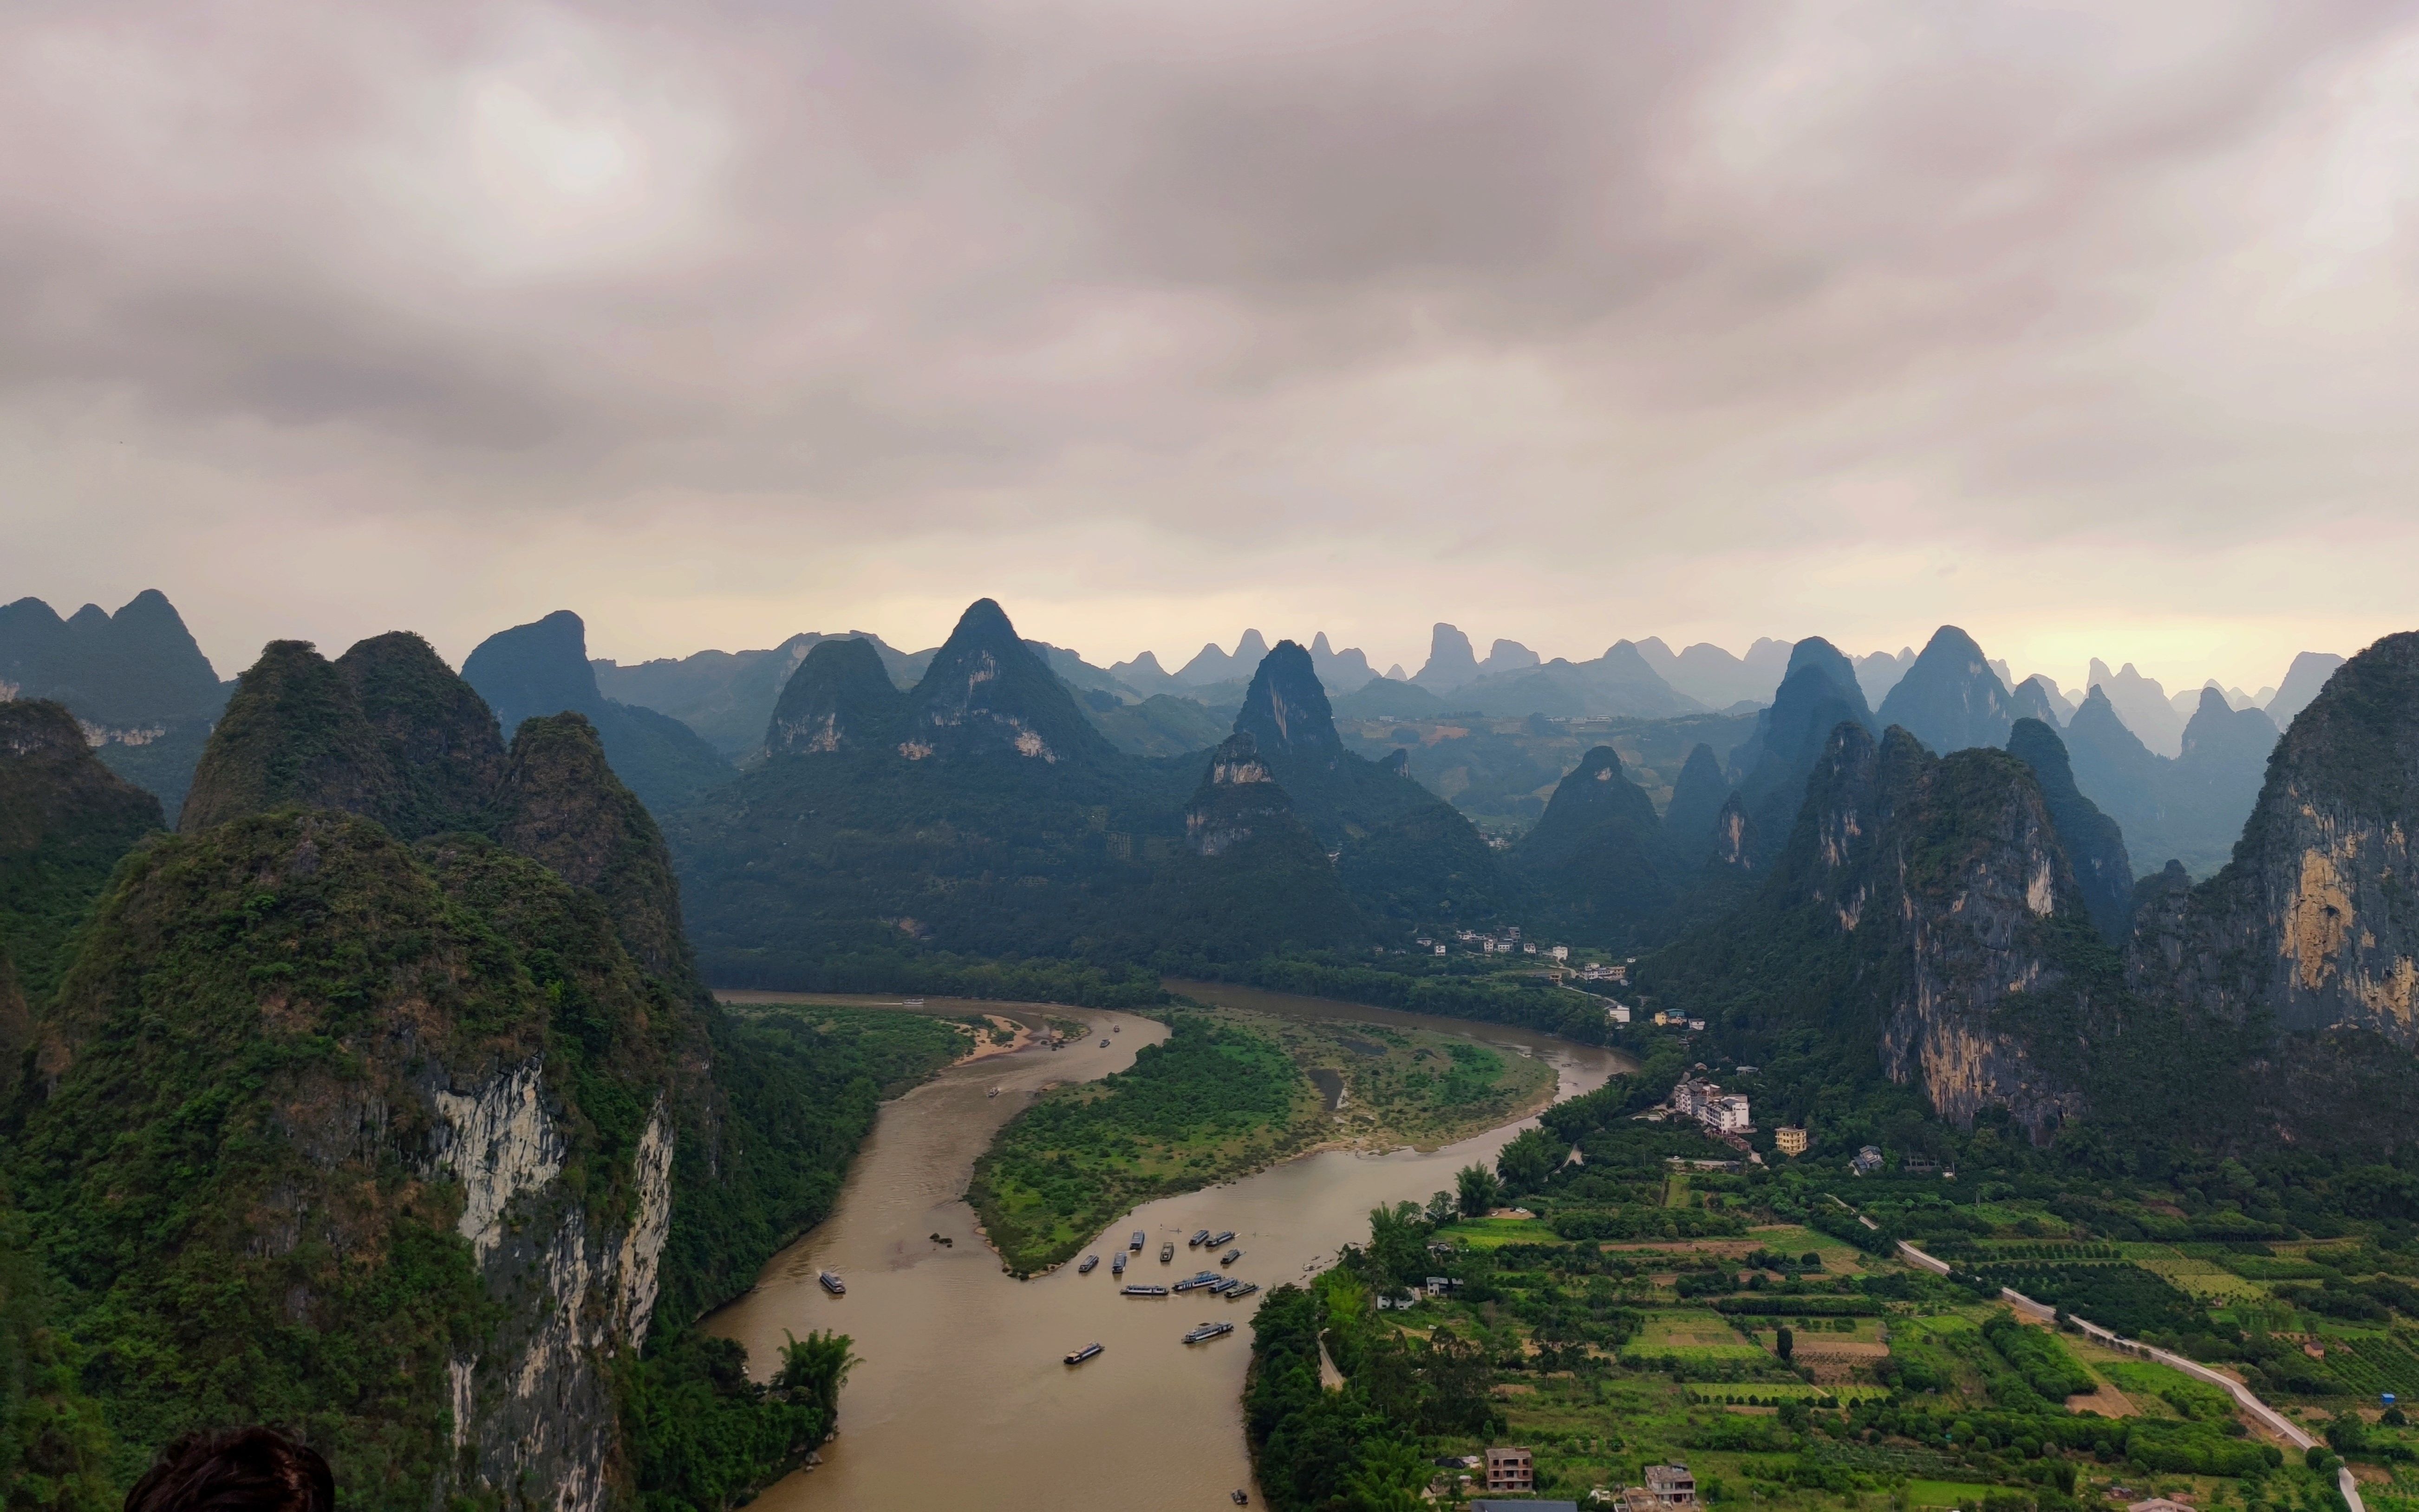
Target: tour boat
(1118, 1263)
(1090, 1263)
(832, 1284)
(1244, 1291)
(1146, 1291)
(1217, 1238)
(1083, 1354)
(1198, 1240)
(1207, 1332)
(1139, 1240)
(1167, 1252)
(1230, 1256)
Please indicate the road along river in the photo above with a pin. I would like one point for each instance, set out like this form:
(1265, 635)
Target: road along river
(963, 1400)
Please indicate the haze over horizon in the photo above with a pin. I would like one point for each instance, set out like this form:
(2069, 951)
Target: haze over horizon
(2089, 333)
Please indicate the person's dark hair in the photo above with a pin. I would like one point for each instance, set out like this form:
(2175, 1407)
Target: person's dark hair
(239, 1470)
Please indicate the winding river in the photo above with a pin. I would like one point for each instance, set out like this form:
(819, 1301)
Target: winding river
(963, 1400)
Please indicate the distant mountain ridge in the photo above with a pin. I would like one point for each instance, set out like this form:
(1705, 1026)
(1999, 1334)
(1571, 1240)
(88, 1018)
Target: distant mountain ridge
(135, 680)
(542, 669)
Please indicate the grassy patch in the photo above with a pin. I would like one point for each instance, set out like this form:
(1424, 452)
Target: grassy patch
(1209, 1103)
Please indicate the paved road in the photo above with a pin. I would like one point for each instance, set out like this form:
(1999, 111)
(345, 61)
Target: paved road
(2292, 1432)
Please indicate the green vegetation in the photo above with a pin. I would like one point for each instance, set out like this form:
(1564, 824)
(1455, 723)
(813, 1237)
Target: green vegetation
(64, 820)
(1208, 1103)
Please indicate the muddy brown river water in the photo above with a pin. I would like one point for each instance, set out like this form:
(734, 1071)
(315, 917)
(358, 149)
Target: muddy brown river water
(963, 1400)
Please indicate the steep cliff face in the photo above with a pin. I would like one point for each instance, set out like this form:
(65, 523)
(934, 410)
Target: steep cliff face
(436, 1090)
(1955, 866)
(1924, 913)
(2313, 923)
(839, 698)
(1287, 712)
(1237, 800)
(2094, 844)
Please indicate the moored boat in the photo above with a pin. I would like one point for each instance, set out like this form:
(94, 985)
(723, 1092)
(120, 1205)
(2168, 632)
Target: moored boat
(1209, 1331)
(1167, 1252)
(1146, 1291)
(1230, 1256)
(1083, 1354)
(1217, 1238)
(1244, 1291)
(1139, 1240)
(1091, 1264)
(1118, 1263)
(1199, 1238)
(832, 1284)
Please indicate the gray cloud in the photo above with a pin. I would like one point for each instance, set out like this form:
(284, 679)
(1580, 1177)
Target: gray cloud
(2090, 329)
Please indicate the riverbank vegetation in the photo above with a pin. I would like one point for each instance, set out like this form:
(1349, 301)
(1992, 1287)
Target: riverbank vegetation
(1208, 1103)
(1230, 1091)
(801, 1085)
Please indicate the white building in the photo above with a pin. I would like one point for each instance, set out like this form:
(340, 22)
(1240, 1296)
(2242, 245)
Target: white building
(1562, 952)
(1722, 1112)
(1618, 1013)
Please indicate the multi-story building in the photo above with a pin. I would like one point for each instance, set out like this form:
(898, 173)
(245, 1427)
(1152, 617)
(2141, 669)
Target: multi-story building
(1789, 1141)
(1719, 1111)
(1515, 1470)
(1672, 1485)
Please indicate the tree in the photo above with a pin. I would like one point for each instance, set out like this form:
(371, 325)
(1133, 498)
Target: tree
(814, 1368)
(1528, 1160)
(1399, 1243)
(1478, 1189)
(1440, 1208)
(1783, 1342)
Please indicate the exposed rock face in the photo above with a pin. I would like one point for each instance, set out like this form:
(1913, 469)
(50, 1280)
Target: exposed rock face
(1954, 866)
(2312, 925)
(987, 694)
(2095, 846)
(1286, 713)
(1593, 864)
(408, 1045)
(1924, 911)
(537, 1393)
(1237, 799)
(839, 698)
(1951, 699)
(1698, 798)
(1817, 694)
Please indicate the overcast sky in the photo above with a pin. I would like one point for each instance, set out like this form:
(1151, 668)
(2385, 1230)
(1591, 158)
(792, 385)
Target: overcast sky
(2092, 328)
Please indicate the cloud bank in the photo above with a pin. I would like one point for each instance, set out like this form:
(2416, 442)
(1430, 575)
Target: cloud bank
(2090, 329)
